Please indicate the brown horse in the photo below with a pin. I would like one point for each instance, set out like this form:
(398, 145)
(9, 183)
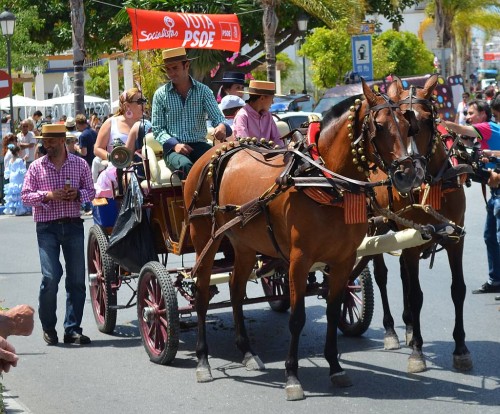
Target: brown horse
(229, 183)
(447, 198)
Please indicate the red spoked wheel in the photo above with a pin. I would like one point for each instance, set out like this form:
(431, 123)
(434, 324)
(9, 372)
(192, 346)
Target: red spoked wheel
(357, 306)
(101, 276)
(158, 313)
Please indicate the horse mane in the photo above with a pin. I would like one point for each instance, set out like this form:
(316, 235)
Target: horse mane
(338, 110)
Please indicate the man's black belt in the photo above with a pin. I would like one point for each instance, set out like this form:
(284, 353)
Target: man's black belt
(65, 220)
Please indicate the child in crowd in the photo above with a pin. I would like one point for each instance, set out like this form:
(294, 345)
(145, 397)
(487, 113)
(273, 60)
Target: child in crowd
(15, 171)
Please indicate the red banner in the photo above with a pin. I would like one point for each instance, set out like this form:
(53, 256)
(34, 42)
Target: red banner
(491, 56)
(165, 30)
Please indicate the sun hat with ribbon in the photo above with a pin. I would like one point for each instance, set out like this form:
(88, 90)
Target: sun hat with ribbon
(53, 131)
(176, 54)
(261, 88)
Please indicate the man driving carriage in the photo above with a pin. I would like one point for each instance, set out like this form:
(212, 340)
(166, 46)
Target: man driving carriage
(179, 112)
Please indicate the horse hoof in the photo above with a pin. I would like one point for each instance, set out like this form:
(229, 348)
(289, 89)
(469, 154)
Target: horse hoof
(294, 392)
(203, 374)
(416, 364)
(462, 362)
(253, 363)
(391, 342)
(341, 380)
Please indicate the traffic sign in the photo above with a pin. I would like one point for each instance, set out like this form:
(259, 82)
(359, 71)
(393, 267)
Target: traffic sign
(362, 56)
(5, 84)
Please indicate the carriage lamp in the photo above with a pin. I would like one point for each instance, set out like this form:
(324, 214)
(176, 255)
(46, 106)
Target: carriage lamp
(8, 24)
(302, 25)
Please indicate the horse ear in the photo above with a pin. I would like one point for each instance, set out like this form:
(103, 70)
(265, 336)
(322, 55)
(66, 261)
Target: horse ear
(430, 84)
(369, 94)
(395, 88)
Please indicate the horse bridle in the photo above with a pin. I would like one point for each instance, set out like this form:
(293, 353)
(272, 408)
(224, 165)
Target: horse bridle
(371, 117)
(411, 100)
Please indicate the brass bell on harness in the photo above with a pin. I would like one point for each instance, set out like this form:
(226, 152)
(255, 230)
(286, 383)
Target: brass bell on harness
(360, 150)
(354, 152)
(271, 143)
(355, 161)
(224, 148)
(231, 144)
(218, 152)
(263, 141)
(254, 140)
(352, 108)
(350, 117)
(357, 101)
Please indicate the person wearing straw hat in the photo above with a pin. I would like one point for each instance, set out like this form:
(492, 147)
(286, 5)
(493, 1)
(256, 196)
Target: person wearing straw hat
(179, 112)
(55, 186)
(254, 119)
(232, 83)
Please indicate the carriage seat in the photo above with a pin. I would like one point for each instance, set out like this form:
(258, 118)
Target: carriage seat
(161, 176)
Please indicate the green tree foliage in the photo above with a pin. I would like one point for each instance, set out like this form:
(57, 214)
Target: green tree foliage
(98, 84)
(408, 52)
(382, 65)
(392, 10)
(329, 51)
(24, 51)
(283, 63)
(102, 31)
(330, 54)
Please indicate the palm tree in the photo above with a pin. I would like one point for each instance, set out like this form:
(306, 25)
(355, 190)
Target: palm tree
(78, 27)
(454, 20)
(328, 11)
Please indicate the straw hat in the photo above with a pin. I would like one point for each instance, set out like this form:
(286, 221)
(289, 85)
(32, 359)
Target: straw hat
(53, 131)
(261, 88)
(177, 54)
(70, 122)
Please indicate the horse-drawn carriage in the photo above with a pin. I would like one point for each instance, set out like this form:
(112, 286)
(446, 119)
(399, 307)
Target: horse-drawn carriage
(155, 287)
(307, 204)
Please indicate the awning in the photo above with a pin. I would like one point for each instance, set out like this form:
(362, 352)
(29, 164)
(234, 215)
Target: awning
(164, 30)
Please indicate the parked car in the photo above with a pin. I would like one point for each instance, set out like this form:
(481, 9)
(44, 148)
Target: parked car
(288, 121)
(298, 102)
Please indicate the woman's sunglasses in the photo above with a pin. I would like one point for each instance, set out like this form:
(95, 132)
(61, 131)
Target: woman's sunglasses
(140, 101)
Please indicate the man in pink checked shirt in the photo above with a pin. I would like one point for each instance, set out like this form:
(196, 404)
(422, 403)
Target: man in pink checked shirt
(55, 186)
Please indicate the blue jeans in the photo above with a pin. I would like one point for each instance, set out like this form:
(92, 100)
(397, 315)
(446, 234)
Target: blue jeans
(179, 162)
(492, 236)
(52, 237)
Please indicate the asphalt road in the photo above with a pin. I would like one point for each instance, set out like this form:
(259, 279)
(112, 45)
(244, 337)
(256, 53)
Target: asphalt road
(114, 374)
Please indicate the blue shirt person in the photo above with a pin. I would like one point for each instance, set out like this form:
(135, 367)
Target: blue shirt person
(480, 126)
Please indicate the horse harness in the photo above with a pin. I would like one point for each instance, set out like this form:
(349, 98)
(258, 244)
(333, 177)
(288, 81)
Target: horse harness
(300, 171)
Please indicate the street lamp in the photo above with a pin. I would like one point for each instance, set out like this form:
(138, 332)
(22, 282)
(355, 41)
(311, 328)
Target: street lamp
(7, 24)
(302, 25)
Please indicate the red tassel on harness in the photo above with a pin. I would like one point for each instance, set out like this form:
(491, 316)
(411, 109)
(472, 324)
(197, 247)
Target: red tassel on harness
(355, 208)
(434, 196)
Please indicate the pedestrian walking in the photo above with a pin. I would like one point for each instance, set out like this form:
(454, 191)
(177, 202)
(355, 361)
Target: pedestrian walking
(55, 186)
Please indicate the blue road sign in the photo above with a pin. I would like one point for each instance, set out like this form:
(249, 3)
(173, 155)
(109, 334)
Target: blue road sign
(362, 56)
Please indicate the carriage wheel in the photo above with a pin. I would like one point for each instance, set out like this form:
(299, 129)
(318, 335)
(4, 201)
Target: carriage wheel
(357, 306)
(101, 274)
(275, 285)
(158, 313)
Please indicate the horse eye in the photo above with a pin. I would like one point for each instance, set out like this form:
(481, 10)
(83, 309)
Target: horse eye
(378, 126)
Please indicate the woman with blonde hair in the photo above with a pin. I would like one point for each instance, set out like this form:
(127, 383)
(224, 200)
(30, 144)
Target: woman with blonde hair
(117, 127)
